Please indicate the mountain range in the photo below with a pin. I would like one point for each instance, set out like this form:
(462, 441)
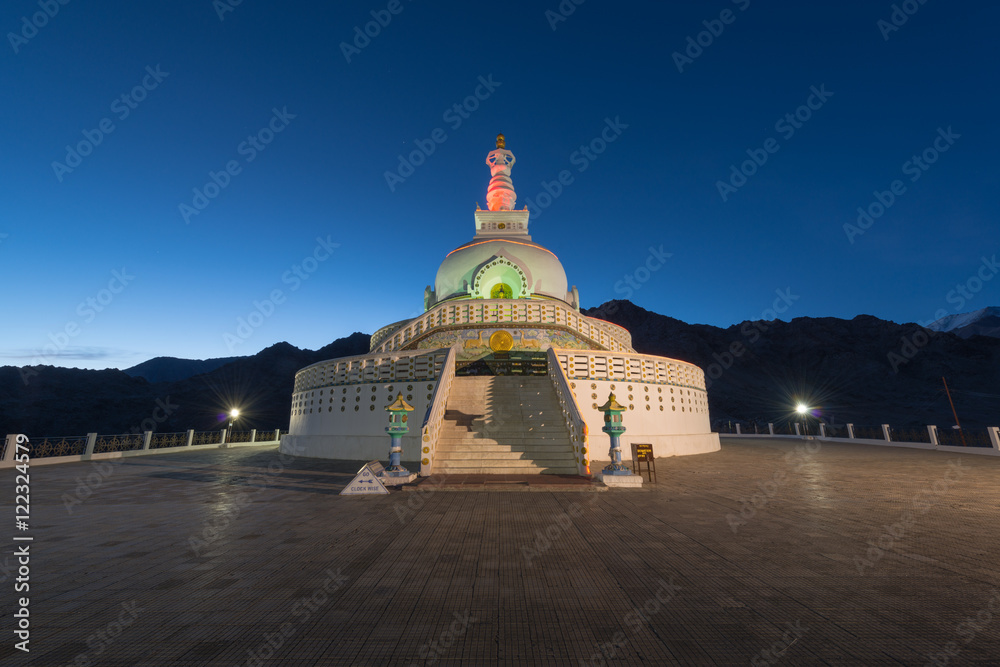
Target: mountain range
(864, 370)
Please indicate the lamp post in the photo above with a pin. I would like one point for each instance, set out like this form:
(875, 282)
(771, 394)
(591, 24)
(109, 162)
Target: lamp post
(233, 416)
(616, 473)
(396, 429)
(803, 410)
(613, 427)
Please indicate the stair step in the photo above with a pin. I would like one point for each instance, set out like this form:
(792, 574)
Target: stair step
(452, 448)
(497, 425)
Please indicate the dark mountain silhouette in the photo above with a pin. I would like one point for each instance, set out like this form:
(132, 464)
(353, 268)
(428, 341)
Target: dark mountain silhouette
(865, 370)
(72, 401)
(172, 369)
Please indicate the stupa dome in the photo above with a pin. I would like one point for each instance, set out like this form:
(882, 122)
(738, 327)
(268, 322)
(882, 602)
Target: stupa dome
(483, 267)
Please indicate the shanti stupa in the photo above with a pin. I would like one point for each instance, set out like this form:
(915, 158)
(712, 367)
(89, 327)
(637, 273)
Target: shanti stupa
(504, 373)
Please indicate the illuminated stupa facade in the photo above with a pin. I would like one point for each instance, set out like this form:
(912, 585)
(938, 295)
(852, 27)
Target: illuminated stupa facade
(504, 371)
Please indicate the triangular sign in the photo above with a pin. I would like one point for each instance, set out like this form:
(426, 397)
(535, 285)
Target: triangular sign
(364, 483)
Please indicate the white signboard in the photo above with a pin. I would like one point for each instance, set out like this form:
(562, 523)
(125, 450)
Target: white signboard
(366, 481)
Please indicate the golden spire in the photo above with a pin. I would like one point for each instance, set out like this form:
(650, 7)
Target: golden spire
(501, 141)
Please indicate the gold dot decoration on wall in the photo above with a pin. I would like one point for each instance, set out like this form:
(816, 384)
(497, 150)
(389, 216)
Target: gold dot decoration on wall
(659, 390)
(357, 407)
(426, 450)
(631, 407)
(371, 407)
(593, 396)
(630, 397)
(595, 406)
(428, 397)
(389, 388)
(374, 389)
(345, 390)
(409, 387)
(647, 407)
(409, 397)
(593, 385)
(661, 408)
(674, 408)
(359, 390)
(425, 461)
(630, 387)
(342, 408)
(612, 387)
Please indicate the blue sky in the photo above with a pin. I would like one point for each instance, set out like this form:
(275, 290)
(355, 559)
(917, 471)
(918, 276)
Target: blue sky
(299, 120)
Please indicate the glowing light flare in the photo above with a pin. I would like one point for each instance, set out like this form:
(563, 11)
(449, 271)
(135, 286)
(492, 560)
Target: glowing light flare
(802, 408)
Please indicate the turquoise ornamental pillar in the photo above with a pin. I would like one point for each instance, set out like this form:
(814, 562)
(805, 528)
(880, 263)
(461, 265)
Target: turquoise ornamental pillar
(396, 429)
(613, 427)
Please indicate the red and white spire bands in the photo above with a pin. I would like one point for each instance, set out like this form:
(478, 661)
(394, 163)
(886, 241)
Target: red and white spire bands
(500, 195)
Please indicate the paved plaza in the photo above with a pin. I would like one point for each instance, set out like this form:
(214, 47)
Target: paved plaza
(768, 552)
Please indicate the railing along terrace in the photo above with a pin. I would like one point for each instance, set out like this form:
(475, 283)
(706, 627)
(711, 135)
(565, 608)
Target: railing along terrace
(978, 439)
(869, 432)
(501, 311)
(84, 446)
(963, 438)
(56, 446)
(908, 435)
(161, 440)
(119, 443)
(836, 430)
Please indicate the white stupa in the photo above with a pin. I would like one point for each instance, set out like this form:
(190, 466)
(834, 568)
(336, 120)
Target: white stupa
(503, 371)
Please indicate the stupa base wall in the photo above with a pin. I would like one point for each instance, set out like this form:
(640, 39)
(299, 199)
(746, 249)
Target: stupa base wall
(663, 446)
(350, 448)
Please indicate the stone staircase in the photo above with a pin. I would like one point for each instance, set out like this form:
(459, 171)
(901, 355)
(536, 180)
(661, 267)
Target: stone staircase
(504, 425)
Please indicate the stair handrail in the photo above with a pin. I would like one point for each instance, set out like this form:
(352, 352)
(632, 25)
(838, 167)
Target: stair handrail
(430, 430)
(575, 423)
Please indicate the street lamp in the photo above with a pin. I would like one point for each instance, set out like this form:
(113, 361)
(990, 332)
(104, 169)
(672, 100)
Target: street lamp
(233, 416)
(803, 410)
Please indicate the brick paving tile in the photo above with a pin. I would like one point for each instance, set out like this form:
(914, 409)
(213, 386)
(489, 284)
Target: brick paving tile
(873, 555)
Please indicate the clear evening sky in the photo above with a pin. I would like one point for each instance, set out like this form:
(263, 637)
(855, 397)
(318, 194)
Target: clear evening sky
(169, 167)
